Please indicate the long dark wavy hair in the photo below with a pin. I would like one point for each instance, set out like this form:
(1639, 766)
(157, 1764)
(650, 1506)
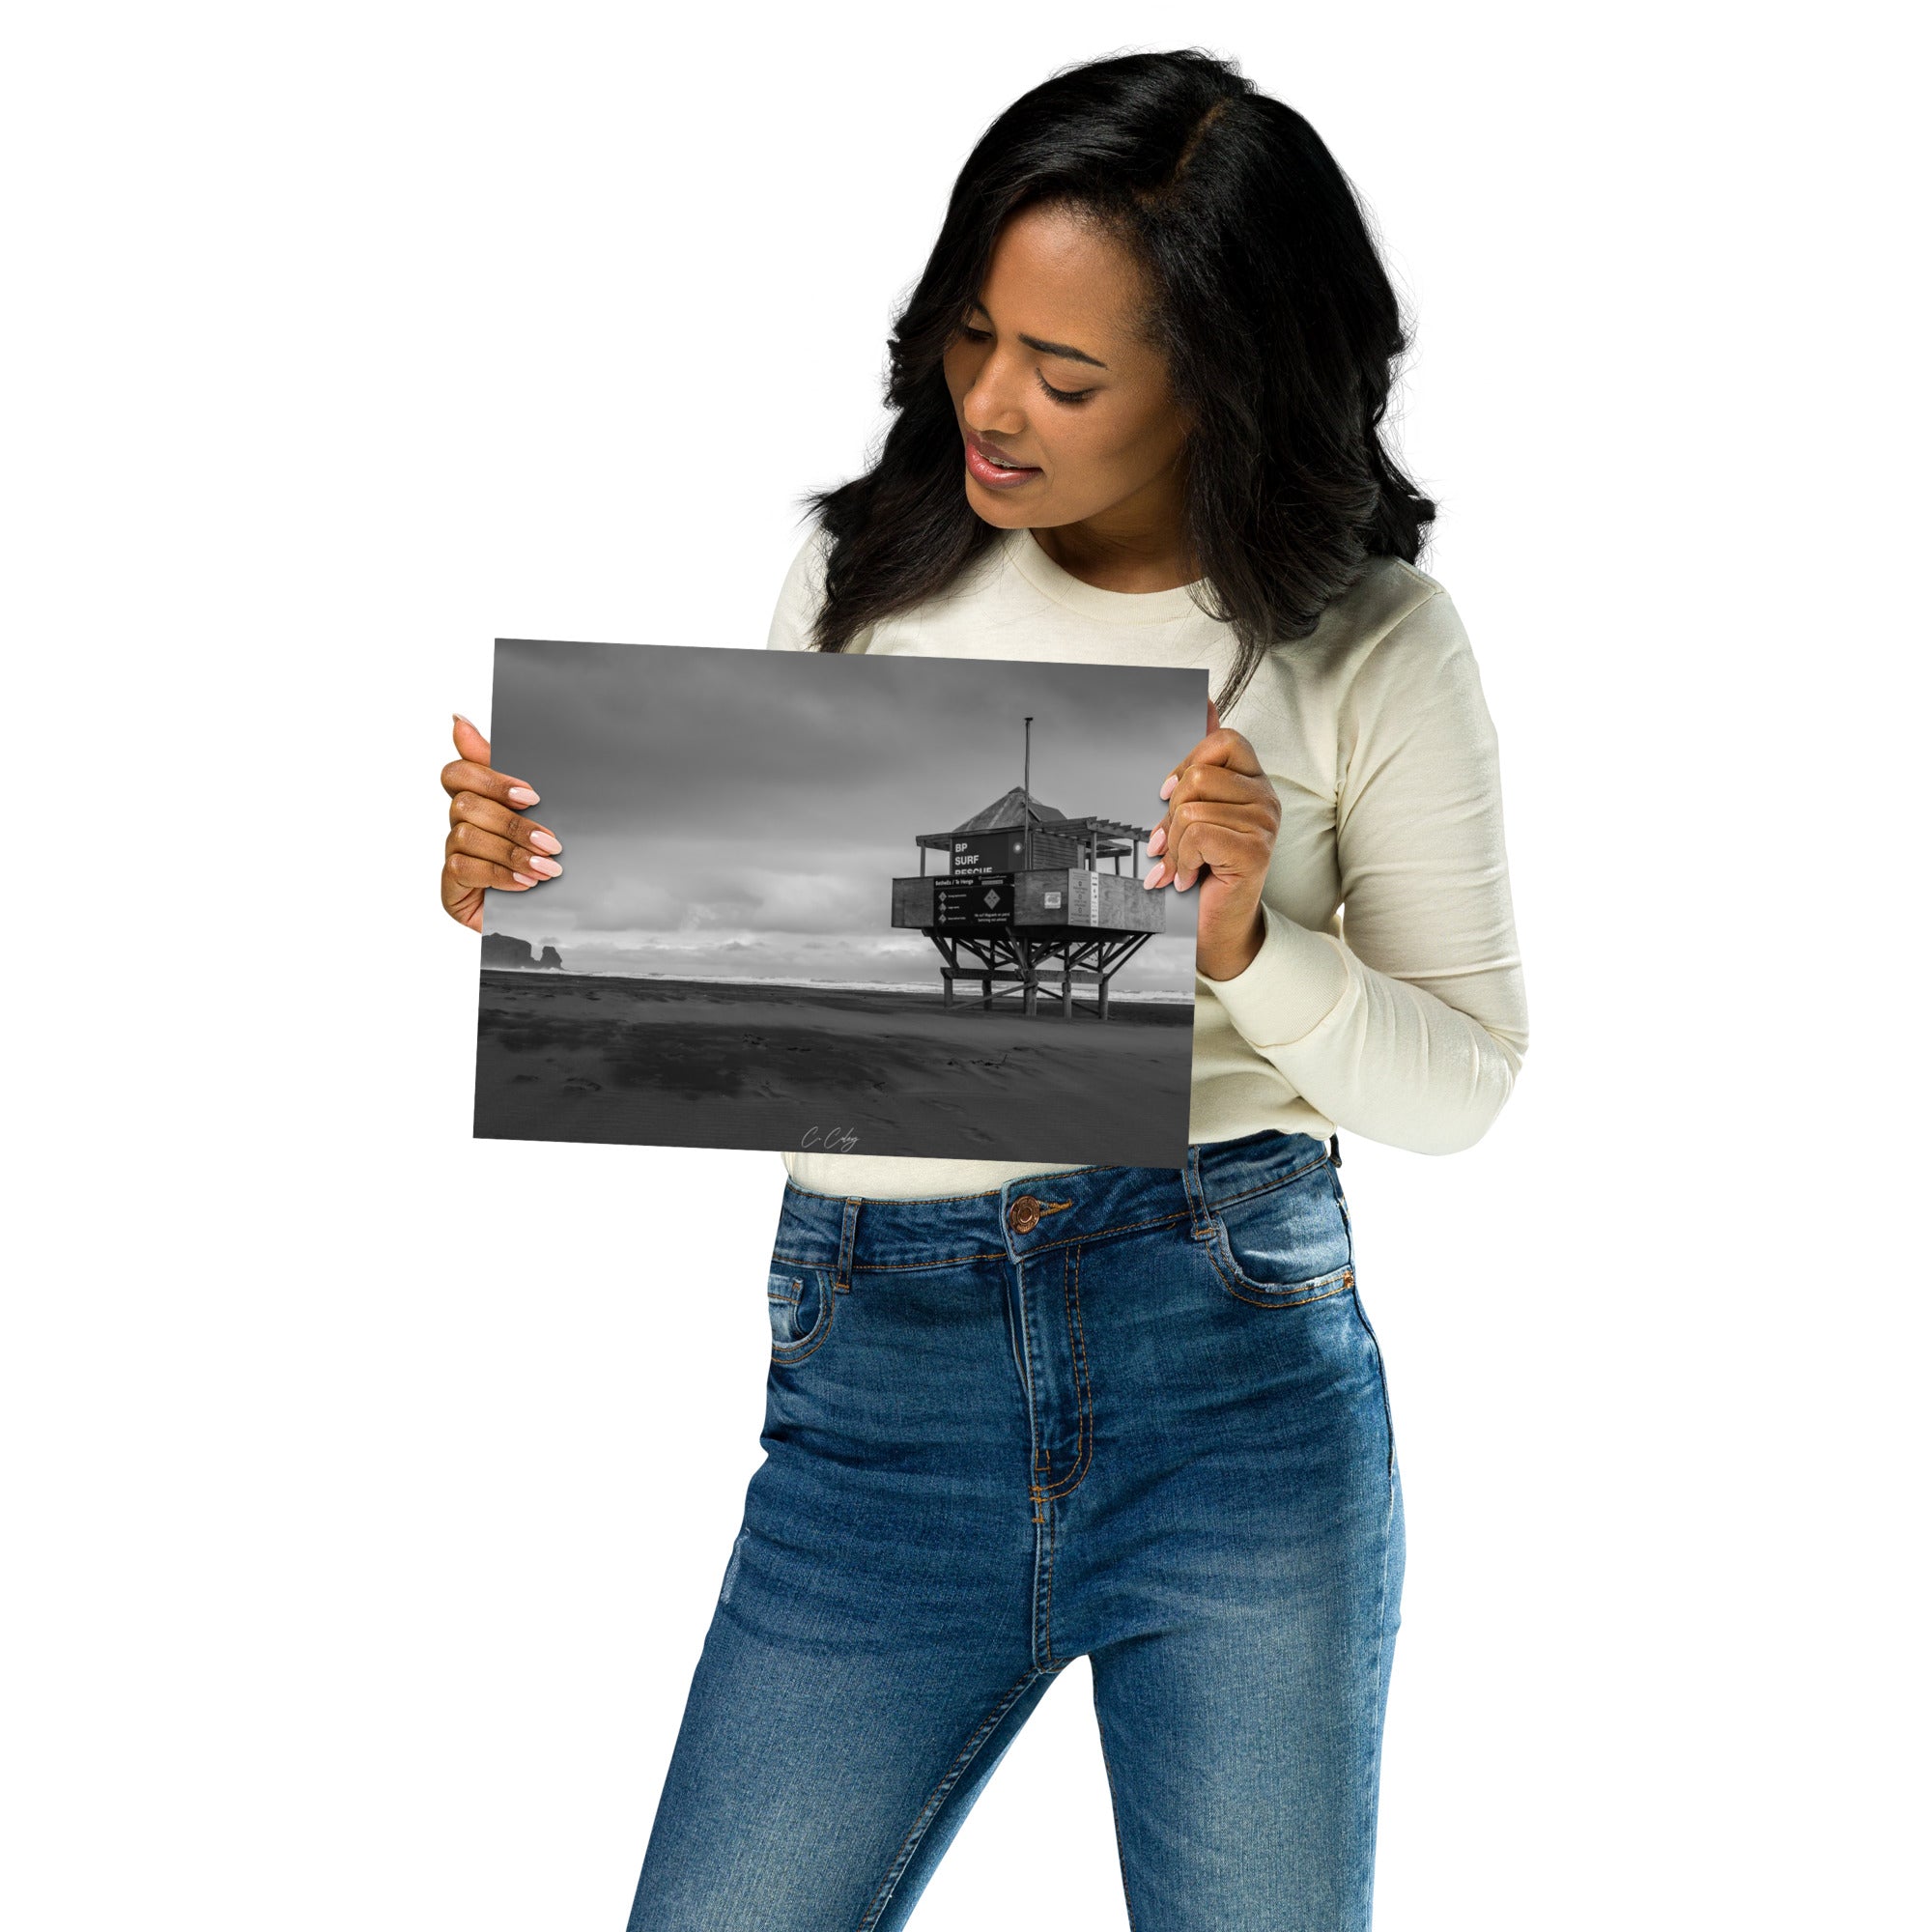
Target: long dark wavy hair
(1278, 323)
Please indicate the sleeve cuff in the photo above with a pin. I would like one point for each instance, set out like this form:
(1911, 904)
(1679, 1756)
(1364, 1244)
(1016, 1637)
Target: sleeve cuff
(1288, 989)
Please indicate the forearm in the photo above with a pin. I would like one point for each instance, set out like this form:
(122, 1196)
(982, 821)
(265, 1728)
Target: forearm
(1375, 1054)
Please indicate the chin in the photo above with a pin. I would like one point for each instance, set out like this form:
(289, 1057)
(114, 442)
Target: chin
(990, 506)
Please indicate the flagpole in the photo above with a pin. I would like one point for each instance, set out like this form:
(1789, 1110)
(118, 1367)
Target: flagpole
(1026, 794)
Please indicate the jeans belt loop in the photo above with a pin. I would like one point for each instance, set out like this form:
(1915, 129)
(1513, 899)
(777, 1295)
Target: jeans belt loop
(1197, 1194)
(842, 1277)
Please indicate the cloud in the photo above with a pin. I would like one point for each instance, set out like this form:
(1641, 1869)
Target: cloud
(752, 808)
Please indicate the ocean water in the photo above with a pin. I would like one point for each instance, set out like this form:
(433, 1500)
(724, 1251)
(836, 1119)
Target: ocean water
(931, 987)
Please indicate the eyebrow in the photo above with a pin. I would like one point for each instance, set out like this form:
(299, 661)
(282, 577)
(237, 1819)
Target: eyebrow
(1066, 349)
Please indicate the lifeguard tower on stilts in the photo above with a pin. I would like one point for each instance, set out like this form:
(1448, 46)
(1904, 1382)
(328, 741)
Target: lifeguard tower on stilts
(1024, 902)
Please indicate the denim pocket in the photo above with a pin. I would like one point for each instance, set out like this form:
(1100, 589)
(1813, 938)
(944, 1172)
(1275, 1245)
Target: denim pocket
(801, 1301)
(1287, 1242)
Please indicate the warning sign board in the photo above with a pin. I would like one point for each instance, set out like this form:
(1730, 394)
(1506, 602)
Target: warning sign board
(984, 899)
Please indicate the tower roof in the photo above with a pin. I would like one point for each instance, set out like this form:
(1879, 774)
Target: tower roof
(1006, 812)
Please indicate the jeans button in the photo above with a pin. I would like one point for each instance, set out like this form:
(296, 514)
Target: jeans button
(1023, 1216)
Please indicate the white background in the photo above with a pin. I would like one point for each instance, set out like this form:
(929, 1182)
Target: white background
(367, 1488)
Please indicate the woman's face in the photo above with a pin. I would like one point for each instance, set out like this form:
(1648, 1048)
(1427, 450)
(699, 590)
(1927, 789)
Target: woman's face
(1064, 409)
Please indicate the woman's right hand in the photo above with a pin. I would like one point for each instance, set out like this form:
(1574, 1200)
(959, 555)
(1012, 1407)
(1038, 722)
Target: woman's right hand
(491, 844)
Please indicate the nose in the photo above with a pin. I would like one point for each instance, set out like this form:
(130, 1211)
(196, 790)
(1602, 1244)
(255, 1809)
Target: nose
(990, 405)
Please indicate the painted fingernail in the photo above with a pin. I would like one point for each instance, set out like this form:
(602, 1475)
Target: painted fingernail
(524, 879)
(544, 842)
(460, 720)
(1158, 842)
(1173, 779)
(522, 795)
(548, 867)
(1152, 879)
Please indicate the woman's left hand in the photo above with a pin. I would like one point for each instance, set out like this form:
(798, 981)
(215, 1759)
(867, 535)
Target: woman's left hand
(1222, 817)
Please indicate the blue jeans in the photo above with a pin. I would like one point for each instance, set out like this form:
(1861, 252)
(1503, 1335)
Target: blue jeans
(1134, 1414)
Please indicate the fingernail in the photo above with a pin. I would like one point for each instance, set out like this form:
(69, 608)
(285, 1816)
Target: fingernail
(1158, 842)
(548, 867)
(522, 795)
(1152, 879)
(460, 720)
(1173, 779)
(544, 842)
(522, 878)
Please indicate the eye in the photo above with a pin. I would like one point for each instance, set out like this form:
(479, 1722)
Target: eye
(1064, 395)
(973, 334)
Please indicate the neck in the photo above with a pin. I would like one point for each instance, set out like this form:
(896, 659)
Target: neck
(1136, 546)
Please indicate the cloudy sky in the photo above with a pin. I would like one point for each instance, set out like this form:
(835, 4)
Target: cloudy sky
(737, 812)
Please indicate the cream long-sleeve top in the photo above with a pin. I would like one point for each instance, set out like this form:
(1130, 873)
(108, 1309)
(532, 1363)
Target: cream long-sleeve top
(1387, 997)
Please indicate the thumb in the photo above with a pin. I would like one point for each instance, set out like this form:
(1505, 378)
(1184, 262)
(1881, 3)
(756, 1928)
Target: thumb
(470, 743)
(1213, 716)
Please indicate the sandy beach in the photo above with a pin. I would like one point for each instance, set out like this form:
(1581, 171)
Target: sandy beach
(574, 1057)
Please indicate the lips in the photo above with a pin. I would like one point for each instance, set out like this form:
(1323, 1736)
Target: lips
(993, 467)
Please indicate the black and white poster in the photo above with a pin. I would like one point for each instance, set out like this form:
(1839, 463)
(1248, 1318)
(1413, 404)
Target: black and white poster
(863, 904)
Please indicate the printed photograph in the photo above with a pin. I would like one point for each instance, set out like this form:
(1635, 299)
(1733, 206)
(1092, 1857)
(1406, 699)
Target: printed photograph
(881, 905)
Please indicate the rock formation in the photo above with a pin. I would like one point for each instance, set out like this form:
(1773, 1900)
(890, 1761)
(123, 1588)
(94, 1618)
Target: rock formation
(500, 949)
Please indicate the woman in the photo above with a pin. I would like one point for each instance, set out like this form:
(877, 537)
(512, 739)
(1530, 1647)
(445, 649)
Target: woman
(1019, 1414)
